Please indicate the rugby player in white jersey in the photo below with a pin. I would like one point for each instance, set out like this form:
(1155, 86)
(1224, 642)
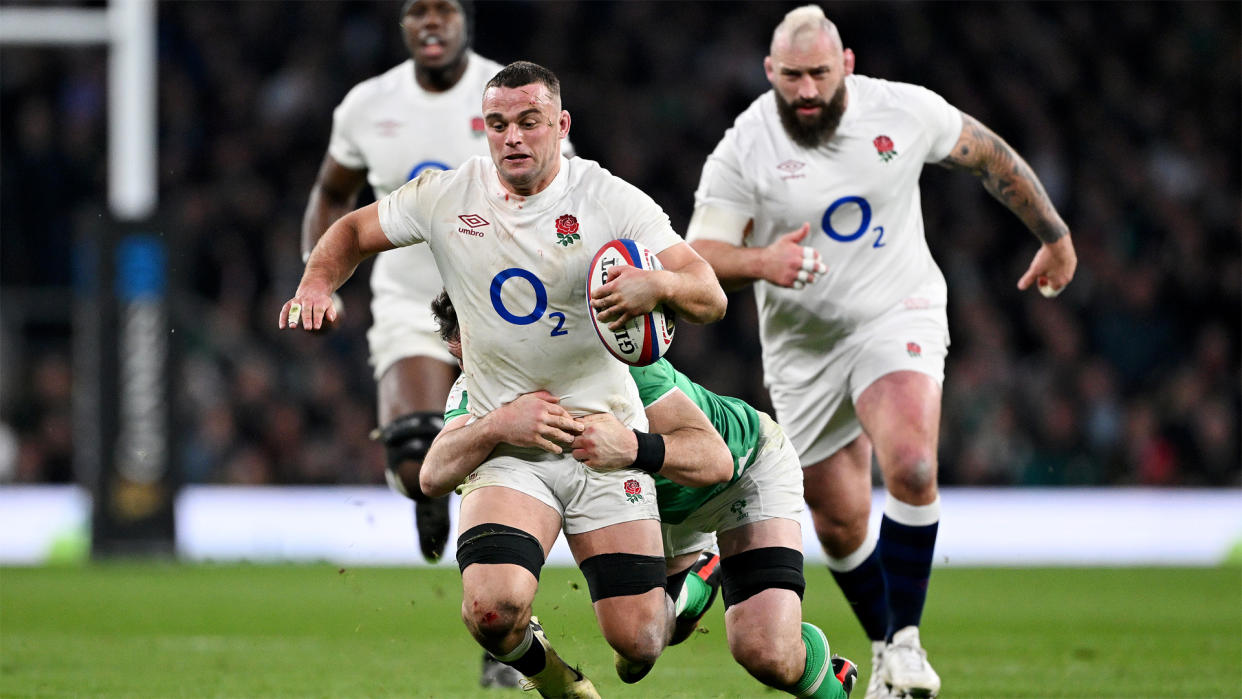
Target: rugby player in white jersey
(512, 237)
(824, 168)
(421, 114)
(721, 469)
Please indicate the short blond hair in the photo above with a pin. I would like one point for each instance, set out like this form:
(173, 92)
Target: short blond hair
(802, 21)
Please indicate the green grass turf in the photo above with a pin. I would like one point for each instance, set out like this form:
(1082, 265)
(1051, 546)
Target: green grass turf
(168, 630)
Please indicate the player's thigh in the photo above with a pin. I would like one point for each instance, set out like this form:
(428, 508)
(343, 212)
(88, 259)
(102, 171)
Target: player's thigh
(505, 577)
(413, 385)
(895, 384)
(840, 485)
(625, 570)
(901, 412)
(763, 578)
(778, 532)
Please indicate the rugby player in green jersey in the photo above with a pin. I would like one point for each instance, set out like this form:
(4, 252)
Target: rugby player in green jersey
(724, 474)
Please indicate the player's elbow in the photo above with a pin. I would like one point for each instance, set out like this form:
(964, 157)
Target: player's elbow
(431, 482)
(721, 470)
(710, 308)
(715, 463)
(717, 304)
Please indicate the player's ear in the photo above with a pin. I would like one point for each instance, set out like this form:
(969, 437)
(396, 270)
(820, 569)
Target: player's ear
(848, 61)
(563, 123)
(769, 70)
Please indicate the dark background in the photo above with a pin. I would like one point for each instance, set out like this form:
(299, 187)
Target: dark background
(1129, 113)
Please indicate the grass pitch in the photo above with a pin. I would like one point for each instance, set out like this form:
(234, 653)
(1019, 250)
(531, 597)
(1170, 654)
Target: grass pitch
(169, 630)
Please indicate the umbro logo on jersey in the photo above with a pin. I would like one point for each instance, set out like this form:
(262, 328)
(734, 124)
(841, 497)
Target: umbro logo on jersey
(473, 221)
(791, 168)
(884, 146)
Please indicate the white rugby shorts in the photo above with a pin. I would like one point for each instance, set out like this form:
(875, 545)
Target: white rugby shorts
(586, 499)
(819, 417)
(769, 488)
(403, 327)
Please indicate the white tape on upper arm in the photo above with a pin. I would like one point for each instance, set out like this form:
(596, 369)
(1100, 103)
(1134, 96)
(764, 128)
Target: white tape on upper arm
(716, 223)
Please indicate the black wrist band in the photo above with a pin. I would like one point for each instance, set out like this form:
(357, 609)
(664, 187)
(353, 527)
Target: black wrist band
(650, 452)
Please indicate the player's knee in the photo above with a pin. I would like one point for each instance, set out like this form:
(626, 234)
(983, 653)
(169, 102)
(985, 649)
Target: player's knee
(773, 664)
(493, 616)
(492, 612)
(641, 642)
(912, 471)
(406, 441)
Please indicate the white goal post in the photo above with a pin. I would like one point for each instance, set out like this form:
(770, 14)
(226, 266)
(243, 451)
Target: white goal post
(127, 28)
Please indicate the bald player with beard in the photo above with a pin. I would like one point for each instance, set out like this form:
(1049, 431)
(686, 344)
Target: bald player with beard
(813, 198)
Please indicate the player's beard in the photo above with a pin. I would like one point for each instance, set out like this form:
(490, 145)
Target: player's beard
(818, 131)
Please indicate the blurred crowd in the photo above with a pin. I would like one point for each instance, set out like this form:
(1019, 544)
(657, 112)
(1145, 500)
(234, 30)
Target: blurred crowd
(1128, 112)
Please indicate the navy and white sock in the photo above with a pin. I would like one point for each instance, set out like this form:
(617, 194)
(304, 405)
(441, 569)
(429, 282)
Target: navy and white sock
(528, 658)
(860, 576)
(907, 544)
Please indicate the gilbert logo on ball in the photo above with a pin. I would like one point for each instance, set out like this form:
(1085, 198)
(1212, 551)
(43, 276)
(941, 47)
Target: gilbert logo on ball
(642, 340)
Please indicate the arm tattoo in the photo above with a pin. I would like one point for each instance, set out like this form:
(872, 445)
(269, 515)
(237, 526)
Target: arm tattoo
(1007, 177)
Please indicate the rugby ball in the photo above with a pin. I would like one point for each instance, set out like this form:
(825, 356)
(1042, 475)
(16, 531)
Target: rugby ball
(644, 339)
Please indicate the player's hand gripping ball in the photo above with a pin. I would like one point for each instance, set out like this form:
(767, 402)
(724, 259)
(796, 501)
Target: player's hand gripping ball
(644, 339)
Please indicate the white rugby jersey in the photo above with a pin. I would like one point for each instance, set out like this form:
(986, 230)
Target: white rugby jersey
(394, 129)
(860, 193)
(516, 270)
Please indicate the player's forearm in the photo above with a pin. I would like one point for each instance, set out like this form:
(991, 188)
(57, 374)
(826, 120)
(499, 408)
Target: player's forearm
(454, 455)
(695, 294)
(696, 458)
(334, 258)
(353, 238)
(323, 208)
(1008, 178)
(735, 266)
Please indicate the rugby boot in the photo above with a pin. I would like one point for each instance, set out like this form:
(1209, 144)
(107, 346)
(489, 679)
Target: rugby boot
(876, 689)
(906, 670)
(431, 518)
(557, 680)
(629, 671)
(846, 673)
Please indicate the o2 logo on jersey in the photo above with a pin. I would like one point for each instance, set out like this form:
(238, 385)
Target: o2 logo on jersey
(427, 165)
(541, 300)
(864, 223)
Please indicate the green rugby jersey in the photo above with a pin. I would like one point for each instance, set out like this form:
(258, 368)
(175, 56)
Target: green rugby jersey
(737, 423)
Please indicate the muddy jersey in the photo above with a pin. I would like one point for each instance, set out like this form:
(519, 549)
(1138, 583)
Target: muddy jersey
(516, 270)
(737, 423)
(860, 193)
